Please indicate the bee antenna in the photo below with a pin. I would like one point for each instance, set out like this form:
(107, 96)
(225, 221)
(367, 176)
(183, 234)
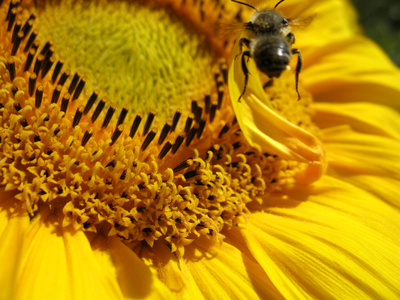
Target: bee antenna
(277, 3)
(249, 5)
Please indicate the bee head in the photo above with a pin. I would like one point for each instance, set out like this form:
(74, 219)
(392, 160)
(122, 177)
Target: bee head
(269, 21)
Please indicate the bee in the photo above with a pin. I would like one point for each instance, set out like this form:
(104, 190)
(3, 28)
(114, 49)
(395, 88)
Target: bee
(269, 41)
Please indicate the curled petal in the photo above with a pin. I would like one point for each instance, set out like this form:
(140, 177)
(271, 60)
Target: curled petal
(266, 129)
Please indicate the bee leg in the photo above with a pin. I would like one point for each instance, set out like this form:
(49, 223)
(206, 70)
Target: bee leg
(298, 68)
(245, 72)
(242, 42)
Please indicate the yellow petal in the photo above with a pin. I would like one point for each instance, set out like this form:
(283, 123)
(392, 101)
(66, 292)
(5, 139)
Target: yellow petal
(12, 233)
(357, 68)
(353, 153)
(368, 161)
(89, 280)
(43, 264)
(55, 264)
(230, 274)
(341, 243)
(134, 277)
(169, 269)
(385, 188)
(264, 128)
(360, 116)
(7, 204)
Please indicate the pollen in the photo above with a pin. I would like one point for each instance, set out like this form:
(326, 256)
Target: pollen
(158, 158)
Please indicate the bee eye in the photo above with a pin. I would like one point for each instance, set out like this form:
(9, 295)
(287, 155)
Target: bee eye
(285, 22)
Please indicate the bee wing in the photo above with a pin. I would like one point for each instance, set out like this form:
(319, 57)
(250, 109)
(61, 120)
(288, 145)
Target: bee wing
(229, 30)
(301, 23)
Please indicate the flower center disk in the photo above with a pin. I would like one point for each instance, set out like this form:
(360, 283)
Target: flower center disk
(141, 55)
(65, 147)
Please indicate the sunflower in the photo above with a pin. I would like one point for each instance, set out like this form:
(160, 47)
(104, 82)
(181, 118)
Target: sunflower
(129, 169)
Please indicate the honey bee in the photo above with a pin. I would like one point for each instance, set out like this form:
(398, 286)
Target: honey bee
(269, 41)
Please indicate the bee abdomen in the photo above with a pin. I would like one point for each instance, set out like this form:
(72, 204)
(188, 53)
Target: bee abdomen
(271, 54)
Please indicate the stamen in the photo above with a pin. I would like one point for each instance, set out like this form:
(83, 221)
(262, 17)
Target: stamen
(29, 59)
(149, 138)
(224, 70)
(178, 142)
(219, 81)
(194, 106)
(224, 129)
(24, 123)
(11, 68)
(57, 70)
(135, 125)
(35, 45)
(98, 109)
(79, 88)
(214, 149)
(110, 113)
(78, 116)
(122, 115)
(64, 102)
(14, 90)
(164, 132)
(48, 54)
(213, 110)
(91, 101)
(29, 23)
(201, 10)
(116, 134)
(64, 77)
(56, 94)
(165, 150)
(13, 4)
(111, 164)
(191, 134)
(18, 40)
(49, 63)
(207, 103)
(27, 27)
(234, 120)
(202, 124)
(31, 39)
(183, 165)
(32, 83)
(74, 82)
(190, 174)
(236, 145)
(87, 135)
(149, 121)
(46, 47)
(38, 64)
(175, 120)
(11, 19)
(198, 113)
(16, 29)
(39, 96)
(189, 122)
(220, 95)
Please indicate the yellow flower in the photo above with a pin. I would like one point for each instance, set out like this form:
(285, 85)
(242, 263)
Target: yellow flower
(137, 175)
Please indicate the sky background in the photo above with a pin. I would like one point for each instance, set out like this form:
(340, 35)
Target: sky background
(381, 22)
